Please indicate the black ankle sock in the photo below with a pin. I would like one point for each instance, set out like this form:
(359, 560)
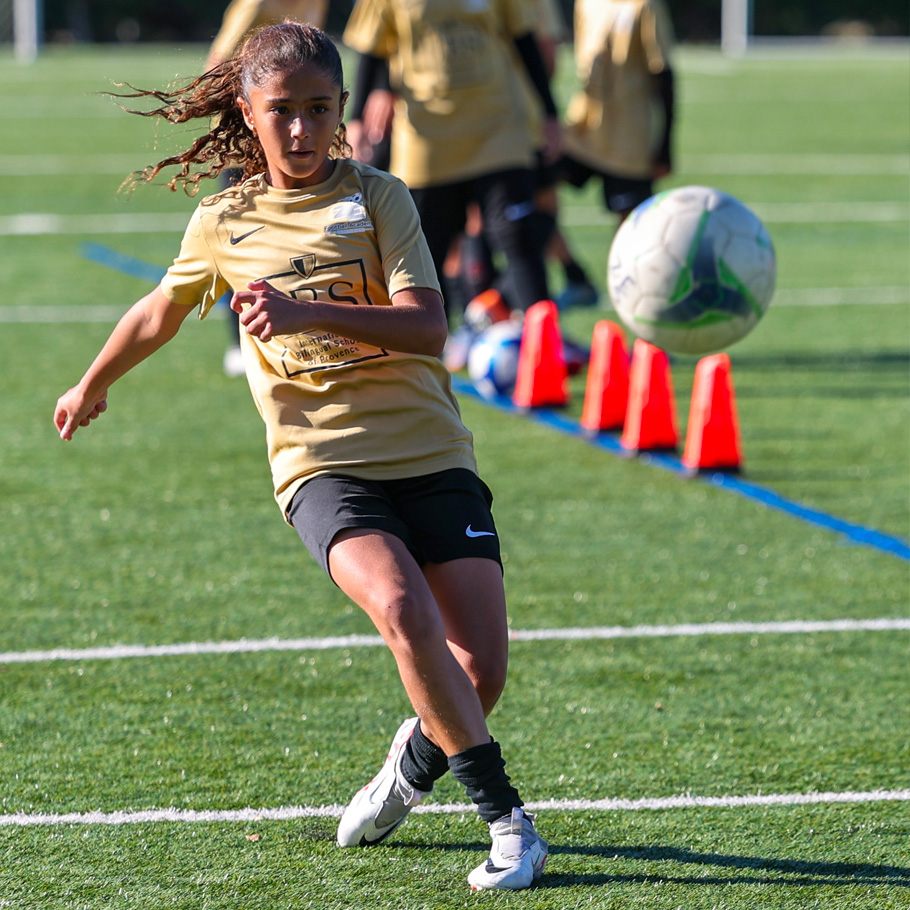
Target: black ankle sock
(423, 762)
(482, 771)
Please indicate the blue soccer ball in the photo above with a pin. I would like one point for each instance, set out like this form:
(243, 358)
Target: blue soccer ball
(493, 359)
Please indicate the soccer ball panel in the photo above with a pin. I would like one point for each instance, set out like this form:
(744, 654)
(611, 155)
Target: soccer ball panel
(691, 270)
(493, 359)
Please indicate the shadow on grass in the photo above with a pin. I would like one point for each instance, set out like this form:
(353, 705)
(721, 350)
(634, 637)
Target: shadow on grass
(787, 872)
(792, 872)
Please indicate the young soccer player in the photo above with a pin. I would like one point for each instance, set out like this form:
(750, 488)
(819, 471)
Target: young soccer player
(619, 123)
(343, 324)
(461, 130)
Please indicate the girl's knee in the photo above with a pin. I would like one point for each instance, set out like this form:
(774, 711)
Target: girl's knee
(488, 677)
(403, 619)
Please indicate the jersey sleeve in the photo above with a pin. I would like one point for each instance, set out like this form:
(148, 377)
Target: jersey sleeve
(371, 29)
(239, 18)
(193, 278)
(406, 260)
(656, 35)
(550, 24)
(518, 16)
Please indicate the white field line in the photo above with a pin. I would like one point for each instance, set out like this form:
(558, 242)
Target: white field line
(289, 813)
(31, 224)
(841, 296)
(34, 224)
(859, 296)
(595, 633)
(32, 315)
(819, 165)
(754, 164)
(58, 315)
(770, 213)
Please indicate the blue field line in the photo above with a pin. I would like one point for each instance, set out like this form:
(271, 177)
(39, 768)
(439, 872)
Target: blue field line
(856, 534)
(120, 262)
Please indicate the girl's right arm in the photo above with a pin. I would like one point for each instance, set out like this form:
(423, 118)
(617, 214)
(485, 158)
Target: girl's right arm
(150, 323)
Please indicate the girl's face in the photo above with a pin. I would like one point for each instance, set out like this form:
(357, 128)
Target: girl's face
(295, 115)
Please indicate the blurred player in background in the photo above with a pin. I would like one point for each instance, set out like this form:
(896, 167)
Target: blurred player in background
(478, 271)
(619, 124)
(461, 131)
(471, 268)
(371, 463)
(241, 19)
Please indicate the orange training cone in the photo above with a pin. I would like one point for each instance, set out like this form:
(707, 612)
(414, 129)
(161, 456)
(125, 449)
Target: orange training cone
(712, 438)
(607, 388)
(542, 379)
(651, 415)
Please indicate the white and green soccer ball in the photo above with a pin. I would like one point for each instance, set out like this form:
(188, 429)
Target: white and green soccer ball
(691, 270)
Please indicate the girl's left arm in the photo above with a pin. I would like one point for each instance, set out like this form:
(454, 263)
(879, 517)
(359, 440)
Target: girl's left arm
(148, 324)
(415, 323)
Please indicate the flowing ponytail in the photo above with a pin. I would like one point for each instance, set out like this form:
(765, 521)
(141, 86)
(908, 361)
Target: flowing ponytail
(213, 95)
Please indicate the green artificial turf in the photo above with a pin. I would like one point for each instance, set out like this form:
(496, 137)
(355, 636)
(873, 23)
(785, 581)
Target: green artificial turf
(157, 527)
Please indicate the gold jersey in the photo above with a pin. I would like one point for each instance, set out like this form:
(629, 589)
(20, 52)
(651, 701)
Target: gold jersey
(245, 16)
(619, 46)
(461, 109)
(330, 404)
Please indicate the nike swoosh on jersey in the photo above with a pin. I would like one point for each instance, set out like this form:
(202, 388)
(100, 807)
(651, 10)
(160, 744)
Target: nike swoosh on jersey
(470, 532)
(236, 240)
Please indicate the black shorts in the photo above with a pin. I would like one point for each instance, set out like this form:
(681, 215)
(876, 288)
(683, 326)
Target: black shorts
(546, 172)
(620, 194)
(439, 517)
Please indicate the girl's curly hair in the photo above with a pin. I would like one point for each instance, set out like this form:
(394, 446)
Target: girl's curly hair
(213, 95)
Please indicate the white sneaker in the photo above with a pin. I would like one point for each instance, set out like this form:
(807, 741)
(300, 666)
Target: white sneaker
(384, 803)
(517, 857)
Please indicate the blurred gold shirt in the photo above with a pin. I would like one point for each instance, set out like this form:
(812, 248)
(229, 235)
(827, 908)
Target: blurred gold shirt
(245, 16)
(619, 46)
(461, 108)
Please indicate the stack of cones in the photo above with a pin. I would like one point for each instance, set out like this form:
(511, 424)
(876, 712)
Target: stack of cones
(607, 389)
(542, 380)
(651, 414)
(712, 438)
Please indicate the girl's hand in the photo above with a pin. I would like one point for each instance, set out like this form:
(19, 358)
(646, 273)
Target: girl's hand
(268, 312)
(75, 409)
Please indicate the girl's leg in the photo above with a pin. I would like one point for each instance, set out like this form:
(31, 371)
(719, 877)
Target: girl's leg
(510, 221)
(472, 603)
(377, 571)
(444, 646)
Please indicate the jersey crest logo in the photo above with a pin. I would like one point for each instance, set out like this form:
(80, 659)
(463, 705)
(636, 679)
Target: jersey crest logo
(304, 265)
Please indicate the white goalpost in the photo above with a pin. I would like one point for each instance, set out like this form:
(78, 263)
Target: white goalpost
(735, 26)
(27, 27)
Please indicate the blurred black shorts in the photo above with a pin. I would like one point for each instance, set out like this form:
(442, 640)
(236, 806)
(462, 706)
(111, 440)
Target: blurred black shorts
(620, 194)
